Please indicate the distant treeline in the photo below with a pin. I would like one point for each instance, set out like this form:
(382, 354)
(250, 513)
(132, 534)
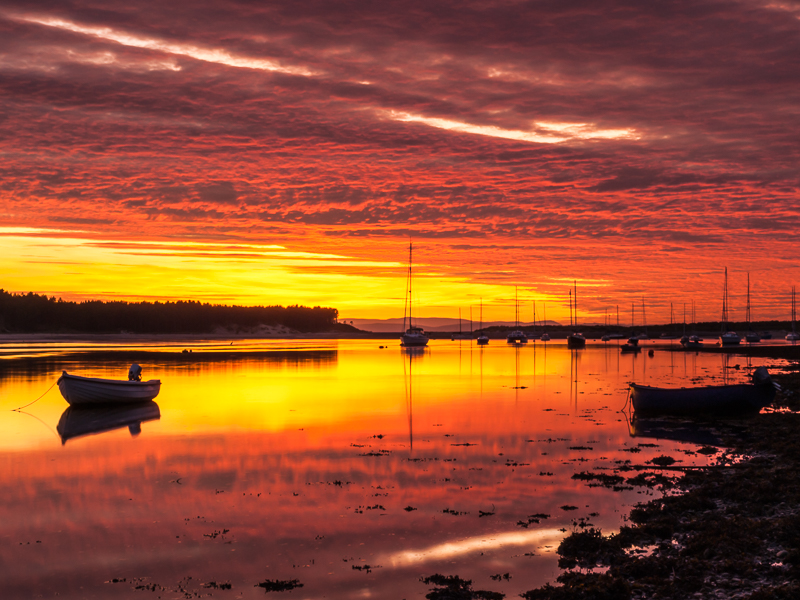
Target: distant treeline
(34, 313)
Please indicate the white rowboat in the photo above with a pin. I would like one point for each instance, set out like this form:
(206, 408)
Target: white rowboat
(81, 391)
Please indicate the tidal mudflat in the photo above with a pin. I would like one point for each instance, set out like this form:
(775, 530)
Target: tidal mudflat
(330, 469)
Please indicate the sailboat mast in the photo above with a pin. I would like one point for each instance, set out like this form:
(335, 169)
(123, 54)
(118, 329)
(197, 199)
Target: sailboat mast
(570, 308)
(747, 316)
(725, 302)
(406, 306)
(684, 318)
(644, 317)
(410, 255)
(575, 283)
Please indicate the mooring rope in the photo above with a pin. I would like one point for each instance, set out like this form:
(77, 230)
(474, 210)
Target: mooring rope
(19, 408)
(627, 400)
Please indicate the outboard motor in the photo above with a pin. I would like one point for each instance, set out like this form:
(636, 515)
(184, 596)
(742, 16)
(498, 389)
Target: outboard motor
(135, 373)
(761, 376)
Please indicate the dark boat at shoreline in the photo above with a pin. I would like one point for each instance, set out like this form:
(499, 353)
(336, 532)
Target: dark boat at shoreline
(719, 400)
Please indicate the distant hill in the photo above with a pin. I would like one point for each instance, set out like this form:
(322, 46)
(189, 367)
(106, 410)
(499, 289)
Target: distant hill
(433, 324)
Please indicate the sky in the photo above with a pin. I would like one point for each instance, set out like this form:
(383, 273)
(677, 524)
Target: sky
(279, 153)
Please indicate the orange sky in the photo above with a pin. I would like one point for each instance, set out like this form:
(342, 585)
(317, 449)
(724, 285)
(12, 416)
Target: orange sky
(279, 154)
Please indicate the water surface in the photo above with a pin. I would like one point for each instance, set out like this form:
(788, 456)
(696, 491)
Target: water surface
(353, 469)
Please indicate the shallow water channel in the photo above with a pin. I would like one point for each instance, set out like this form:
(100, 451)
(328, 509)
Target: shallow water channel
(352, 469)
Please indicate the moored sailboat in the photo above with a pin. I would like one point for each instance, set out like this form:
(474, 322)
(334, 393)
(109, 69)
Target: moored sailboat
(692, 341)
(575, 340)
(727, 338)
(483, 339)
(517, 336)
(793, 336)
(414, 336)
(545, 336)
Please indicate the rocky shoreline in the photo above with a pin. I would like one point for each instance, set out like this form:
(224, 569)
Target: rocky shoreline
(732, 531)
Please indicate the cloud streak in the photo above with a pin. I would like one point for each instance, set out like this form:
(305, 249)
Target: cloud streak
(612, 140)
(212, 55)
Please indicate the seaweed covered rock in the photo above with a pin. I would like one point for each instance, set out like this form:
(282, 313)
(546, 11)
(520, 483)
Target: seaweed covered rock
(588, 549)
(582, 586)
(452, 587)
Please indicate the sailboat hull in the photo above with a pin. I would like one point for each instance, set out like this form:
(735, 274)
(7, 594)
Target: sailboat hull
(414, 339)
(576, 342)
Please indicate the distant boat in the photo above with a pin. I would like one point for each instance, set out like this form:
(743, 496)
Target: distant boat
(483, 339)
(414, 336)
(575, 340)
(692, 341)
(793, 336)
(719, 399)
(612, 336)
(727, 338)
(517, 336)
(632, 345)
(730, 338)
(684, 337)
(78, 421)
(83, 391)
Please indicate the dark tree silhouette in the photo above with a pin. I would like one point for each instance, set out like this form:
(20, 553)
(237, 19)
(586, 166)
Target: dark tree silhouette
(34, 313)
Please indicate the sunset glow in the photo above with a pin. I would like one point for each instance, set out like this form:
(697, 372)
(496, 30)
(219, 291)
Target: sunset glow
(280, 154)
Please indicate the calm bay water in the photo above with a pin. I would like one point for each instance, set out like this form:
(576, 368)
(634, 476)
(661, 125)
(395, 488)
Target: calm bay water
(353, 469)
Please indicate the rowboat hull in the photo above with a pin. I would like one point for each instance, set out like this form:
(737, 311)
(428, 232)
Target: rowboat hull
(88, 391)
(720, 400)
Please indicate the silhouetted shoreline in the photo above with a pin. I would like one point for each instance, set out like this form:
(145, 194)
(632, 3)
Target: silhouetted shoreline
(34, 313)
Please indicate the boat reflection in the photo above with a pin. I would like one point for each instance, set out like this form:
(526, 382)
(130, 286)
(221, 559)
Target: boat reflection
(676, 430)
(79, 421)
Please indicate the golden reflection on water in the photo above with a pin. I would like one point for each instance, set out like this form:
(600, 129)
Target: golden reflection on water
(304, 464)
